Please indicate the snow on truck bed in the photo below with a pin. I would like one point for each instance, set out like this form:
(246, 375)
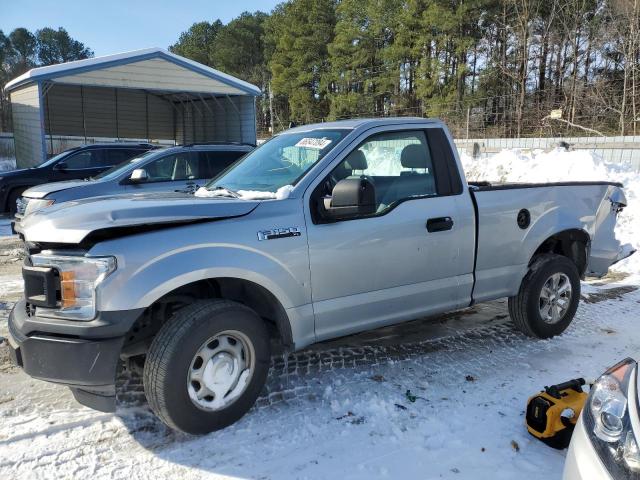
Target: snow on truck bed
(433, 398)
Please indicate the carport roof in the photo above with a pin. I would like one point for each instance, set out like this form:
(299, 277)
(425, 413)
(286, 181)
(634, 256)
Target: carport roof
(53, 72)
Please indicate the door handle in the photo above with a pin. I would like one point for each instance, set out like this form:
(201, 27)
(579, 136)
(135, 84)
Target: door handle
(439, 224)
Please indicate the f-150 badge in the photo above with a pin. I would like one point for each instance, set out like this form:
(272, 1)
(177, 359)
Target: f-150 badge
(279, 233)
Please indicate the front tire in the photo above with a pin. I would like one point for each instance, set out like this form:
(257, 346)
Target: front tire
(548, 297)
(207, 365)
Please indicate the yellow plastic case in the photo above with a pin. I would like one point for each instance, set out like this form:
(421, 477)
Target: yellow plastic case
(552, 414)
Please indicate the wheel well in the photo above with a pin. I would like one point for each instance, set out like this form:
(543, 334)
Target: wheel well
(254, 296)
(573, 244)
(11, 191)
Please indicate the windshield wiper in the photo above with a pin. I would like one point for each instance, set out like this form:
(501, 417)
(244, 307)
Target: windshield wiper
(225, 192)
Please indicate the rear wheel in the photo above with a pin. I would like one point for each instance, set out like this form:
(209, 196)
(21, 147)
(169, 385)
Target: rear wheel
(548, 297)
(207, 365)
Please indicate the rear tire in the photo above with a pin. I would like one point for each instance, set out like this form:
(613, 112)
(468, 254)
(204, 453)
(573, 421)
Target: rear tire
(548, 297)
(181, 379)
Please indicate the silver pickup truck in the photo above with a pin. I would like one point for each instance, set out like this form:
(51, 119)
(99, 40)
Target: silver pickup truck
(323, 231)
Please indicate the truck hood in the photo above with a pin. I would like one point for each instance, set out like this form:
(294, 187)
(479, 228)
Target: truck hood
(71, 222)
(41, 191)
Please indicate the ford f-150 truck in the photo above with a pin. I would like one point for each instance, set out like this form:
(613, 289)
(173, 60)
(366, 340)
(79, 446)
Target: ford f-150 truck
(323, 231)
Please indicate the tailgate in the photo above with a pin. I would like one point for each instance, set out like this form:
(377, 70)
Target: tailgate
(605, 249)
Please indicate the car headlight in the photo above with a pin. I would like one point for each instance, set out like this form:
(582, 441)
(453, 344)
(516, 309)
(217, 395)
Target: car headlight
(78, 278)
(612, 408)
(35, 204)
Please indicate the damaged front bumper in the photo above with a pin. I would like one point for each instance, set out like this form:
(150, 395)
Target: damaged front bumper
(82, 355)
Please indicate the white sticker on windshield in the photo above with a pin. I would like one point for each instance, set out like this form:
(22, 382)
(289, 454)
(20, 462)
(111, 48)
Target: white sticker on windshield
(317, 143)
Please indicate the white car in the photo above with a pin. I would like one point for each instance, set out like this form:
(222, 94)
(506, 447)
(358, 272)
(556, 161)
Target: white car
(604, 444)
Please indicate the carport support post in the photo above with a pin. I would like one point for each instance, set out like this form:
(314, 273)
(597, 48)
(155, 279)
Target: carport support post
(146, 107)
(193, 124)
(213, 115)
(84, 121)
(175, 123)
(115, 91)
(239, 115)
(193, 119)
(45, 95)
(184, 122)
(226, 124)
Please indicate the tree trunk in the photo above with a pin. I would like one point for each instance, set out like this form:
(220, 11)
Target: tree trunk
(542, 70)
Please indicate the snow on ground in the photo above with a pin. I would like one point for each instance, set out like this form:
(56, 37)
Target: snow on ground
(394, 404)
(433, 398)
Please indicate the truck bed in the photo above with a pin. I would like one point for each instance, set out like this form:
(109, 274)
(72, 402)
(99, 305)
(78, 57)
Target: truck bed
(505, 247)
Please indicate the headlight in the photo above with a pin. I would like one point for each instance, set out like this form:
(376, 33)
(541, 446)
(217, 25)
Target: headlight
(34, 204)
(611, 407)
(79, 278)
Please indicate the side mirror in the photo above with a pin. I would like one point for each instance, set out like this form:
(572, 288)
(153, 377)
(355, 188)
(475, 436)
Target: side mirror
(350, 198)
(62, 166)
(139, 175)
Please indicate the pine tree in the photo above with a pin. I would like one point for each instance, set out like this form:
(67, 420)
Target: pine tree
(238, 48)
(197, 42)
(299, 33)
(364, 73)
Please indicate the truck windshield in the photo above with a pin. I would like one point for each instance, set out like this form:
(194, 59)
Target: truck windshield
(280, 162)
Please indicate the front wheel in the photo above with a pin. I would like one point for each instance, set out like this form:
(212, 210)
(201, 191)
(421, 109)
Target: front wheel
(548, 297)
(207, 365)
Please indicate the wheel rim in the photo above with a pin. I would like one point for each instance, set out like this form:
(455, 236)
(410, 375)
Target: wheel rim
(555, 298)
(221, 370)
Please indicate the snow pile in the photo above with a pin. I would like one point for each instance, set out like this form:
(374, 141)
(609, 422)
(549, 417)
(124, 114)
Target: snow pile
(7, 163)
(559, 165)
(281, 194)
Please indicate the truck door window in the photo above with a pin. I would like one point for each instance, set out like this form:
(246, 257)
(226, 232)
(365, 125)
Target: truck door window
(398, 164)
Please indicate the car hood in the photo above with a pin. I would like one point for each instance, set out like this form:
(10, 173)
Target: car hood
(72, 222)
(14, 173)
(41, 191)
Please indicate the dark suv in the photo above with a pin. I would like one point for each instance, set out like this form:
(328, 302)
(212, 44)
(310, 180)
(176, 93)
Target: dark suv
(75, 163)
(168, 170)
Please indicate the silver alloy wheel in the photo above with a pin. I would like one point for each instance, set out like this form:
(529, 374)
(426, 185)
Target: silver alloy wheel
(555, 298)
(220, 370)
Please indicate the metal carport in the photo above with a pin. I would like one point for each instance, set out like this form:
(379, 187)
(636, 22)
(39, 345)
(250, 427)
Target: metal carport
(150, 94)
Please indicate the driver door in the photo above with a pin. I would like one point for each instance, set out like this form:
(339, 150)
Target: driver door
(387, 267)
